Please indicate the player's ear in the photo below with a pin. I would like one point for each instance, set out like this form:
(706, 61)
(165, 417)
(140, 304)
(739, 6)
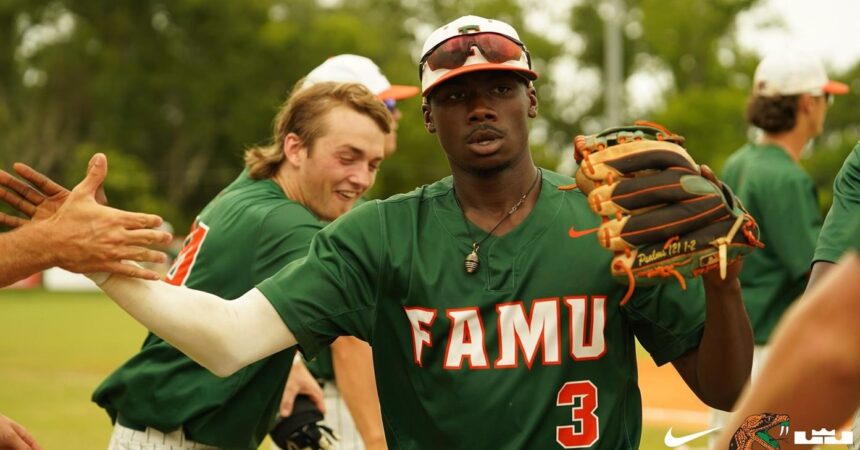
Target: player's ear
(533, 100)
(427, 113)
(805, 103)
(294, 149)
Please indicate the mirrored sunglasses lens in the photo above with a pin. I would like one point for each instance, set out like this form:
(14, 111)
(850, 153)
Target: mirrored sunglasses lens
(498, 49)
(391, 104)
(454, 52)
(451, 54)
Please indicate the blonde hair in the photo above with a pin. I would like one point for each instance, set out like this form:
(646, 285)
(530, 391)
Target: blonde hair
(302, 115)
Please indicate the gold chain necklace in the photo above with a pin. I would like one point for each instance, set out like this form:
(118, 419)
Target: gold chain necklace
(472, 262)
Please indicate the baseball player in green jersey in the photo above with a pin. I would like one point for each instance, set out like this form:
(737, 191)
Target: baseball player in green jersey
(328, 144)
(525, 346)
(791, 93)
(346, 368)
(838, 232)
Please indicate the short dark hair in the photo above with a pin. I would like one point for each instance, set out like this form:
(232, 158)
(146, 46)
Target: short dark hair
(773, 114)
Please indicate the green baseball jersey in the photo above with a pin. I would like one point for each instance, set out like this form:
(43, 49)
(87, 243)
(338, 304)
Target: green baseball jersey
(246, 234)
(782, 198)
(532, 351)
(839, 232)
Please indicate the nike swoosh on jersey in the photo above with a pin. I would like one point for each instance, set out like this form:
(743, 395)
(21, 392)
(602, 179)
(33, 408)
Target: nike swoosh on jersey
(575, 234)
(672, 441)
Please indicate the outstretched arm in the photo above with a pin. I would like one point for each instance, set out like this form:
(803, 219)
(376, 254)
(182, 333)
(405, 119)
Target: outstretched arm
(813, 374)
(717, 370)
(80, 235)
(223, 336)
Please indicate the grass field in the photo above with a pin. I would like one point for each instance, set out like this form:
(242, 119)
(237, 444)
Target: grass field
(55, 348)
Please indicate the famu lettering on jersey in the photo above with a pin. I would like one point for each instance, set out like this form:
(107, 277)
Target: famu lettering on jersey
(520, 335)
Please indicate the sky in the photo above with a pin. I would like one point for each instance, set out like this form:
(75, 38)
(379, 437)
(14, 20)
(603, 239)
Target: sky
(824, 27)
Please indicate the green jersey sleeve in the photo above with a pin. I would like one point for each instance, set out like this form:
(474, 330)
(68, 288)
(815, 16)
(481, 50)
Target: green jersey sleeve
(839, 231)
(333, 291)
(667, 320)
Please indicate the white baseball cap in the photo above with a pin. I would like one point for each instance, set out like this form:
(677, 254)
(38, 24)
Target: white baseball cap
(358, 69)
(477, 60)
(793, 72)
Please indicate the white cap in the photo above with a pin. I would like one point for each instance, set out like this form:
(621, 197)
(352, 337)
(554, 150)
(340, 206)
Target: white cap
(793, 72)
(476, 62)
(358, 69)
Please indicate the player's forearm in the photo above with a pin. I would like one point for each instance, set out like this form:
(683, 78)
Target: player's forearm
(221, 335)
(819, 269)
(725, 353)
(353, 370)
(23, 252)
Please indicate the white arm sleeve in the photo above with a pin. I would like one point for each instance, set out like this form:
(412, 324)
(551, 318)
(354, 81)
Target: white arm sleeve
(223, 336)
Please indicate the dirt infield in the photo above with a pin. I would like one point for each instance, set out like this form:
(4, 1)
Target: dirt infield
(666, 399)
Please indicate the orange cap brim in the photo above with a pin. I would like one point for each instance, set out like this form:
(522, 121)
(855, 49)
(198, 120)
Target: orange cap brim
(530, 74)
(835, 87)
(398, 92)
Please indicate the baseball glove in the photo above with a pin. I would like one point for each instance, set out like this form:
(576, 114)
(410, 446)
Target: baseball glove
(302, 430)
(664, 216)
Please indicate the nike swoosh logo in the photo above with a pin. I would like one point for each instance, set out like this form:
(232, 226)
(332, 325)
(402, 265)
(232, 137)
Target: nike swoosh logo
(672, 441)
(576, 234)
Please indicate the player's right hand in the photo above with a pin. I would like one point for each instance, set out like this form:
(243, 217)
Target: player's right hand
(300, 382)
(89, 237)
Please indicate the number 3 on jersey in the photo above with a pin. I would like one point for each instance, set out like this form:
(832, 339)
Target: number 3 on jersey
(581, 396)
(181, 268)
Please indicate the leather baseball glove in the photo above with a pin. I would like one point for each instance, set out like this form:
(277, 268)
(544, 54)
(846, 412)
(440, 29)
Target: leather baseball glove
(302, 430)
(664, 216)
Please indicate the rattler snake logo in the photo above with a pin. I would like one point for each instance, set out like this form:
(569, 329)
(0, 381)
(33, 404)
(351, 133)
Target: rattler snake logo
(761, 431)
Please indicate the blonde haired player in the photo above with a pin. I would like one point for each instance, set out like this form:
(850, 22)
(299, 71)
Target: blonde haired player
(346, 369)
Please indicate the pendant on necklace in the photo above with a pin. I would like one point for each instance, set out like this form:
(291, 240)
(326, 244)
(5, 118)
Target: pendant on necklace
(472, 259)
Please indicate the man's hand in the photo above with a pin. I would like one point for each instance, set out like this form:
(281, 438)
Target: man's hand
(41, 202)
(76, 232)
(15, 437)
(95, 238)
(299, 382)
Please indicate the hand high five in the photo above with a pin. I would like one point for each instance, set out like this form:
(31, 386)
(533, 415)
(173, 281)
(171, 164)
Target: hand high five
(79, 232)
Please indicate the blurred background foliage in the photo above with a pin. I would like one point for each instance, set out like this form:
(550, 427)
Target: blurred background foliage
(174, 91)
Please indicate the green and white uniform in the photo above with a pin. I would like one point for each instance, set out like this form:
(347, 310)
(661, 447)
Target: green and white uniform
(530, 352)
(839, 231)
(246, 234)
(782, 198)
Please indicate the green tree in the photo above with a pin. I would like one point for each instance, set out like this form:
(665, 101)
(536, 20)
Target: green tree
(181, 88)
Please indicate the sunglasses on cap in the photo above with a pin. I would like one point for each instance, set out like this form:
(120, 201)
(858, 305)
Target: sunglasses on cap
(391, 104)
(454, 52)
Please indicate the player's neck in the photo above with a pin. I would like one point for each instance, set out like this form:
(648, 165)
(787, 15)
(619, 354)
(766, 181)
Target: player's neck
(486, 199)
(289, 185)
(792, 142)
